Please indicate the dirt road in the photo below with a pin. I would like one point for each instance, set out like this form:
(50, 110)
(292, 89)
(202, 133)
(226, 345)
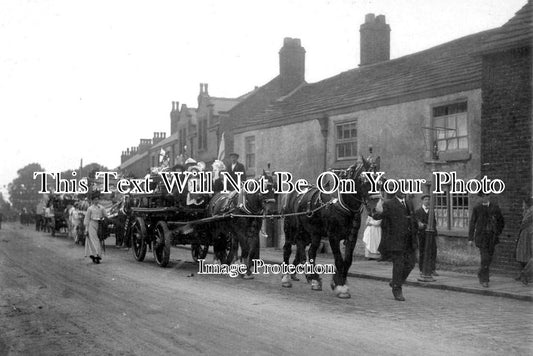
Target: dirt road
(53, 301)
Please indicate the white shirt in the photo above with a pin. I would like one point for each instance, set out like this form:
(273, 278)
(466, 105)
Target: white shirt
(402, 201)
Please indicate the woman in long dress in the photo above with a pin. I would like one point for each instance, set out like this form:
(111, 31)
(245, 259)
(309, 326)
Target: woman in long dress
(372, 238)
(94, 214)
(524, 249)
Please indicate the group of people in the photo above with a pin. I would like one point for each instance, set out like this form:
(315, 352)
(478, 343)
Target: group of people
(395, 230)
(190, 198)
(95, 214)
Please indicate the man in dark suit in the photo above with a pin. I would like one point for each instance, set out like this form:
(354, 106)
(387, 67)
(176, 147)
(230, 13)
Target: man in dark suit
(235, 167)
(486, 224)
(421, 216)
(398, 238)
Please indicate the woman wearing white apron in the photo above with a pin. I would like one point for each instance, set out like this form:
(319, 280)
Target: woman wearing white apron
(372, 238)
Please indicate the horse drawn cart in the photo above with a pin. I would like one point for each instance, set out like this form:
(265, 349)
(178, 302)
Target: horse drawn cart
(161, 220)
(59, 219)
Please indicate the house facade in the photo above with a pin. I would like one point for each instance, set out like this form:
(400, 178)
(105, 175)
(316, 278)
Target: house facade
(393, 107)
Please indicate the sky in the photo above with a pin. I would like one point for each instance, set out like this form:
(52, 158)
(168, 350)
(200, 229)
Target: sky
(87, 79)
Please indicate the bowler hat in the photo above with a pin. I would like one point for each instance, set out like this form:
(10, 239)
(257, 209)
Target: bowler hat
(234, 154)
(425, 196)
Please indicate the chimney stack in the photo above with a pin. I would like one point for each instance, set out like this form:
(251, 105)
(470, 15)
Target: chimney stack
(291, 64)
(144, 145)
(174, 117)
(375, 40)
(158, 137)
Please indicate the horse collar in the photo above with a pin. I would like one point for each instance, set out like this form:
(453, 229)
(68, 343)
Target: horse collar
(242, 203)
(342, 205)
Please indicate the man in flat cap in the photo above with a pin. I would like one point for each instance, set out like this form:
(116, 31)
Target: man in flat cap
(235, 167)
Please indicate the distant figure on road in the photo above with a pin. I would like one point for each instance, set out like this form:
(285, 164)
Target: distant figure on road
(1, 218)
(49, 217)
(94, 214)
(486, 224)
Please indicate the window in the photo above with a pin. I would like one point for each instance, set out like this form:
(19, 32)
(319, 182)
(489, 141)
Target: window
(346, 140)
(182, 140)
(451, 211)
(249, 150)
(202, 134)
(452, 118)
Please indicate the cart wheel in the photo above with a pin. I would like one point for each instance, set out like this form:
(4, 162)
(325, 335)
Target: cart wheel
(199, 251)
(161, 246)
(138, 239)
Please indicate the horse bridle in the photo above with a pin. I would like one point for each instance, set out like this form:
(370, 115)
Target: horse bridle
(353, 172)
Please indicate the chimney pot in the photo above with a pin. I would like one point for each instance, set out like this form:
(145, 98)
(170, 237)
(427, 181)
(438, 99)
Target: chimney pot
(369, 18)
(380, 19)
(205, 88)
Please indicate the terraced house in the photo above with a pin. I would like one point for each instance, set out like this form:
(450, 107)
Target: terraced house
(436, 106)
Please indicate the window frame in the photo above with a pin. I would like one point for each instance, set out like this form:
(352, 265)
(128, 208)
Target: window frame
(202, 134)
(182, 139)
(447, 134)
(451, 218)
(342, 141)
(249, 156)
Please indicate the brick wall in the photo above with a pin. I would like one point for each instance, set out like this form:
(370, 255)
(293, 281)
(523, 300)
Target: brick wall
(506, 148)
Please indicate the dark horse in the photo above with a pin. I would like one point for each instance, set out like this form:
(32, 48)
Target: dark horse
(243, 231)
(336, 215)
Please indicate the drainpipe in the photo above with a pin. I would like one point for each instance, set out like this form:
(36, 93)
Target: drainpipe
(324, 126)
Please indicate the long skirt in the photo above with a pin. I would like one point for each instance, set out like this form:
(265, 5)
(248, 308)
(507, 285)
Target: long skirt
(523, 246)
(92, 243)
(371, 239)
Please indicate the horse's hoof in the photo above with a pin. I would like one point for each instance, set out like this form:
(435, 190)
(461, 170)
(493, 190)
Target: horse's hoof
(316, 285)
(286, 281)
(342, 292)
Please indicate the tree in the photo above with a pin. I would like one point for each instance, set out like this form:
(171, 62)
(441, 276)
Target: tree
(24, 190)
